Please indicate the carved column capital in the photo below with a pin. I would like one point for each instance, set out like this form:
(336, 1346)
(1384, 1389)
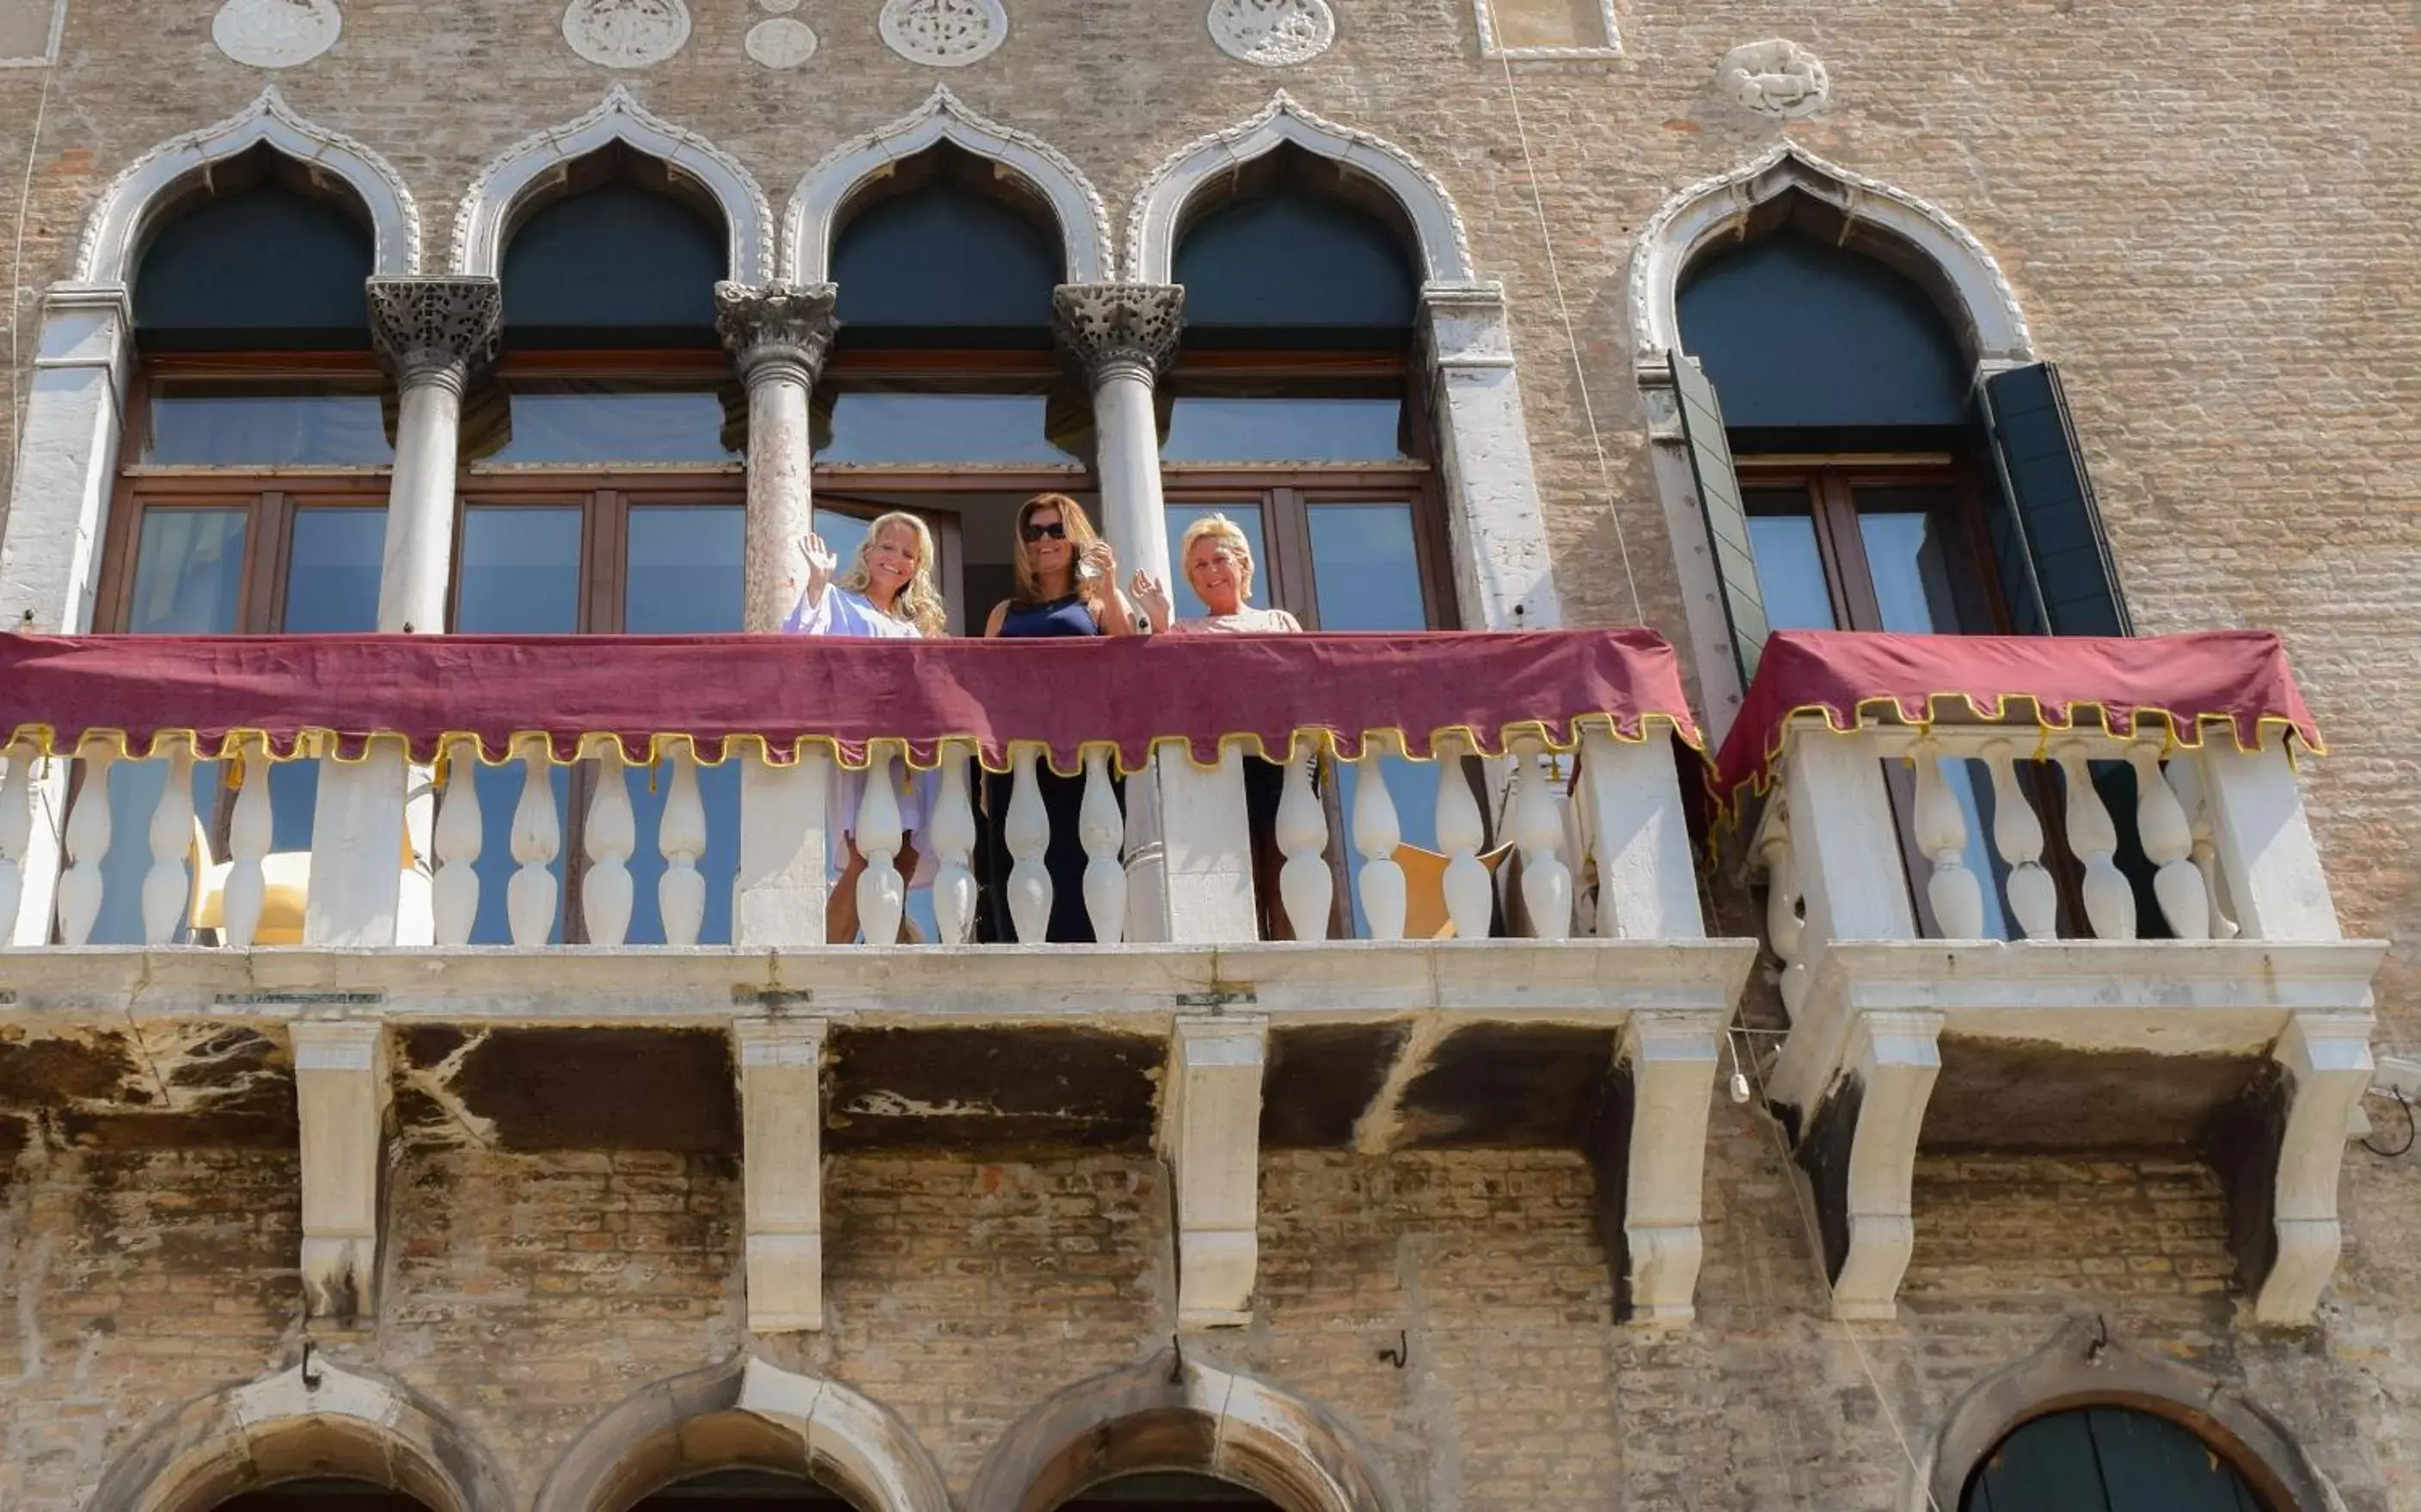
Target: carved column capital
(436, 330)
(1106, 327)
(777, 329)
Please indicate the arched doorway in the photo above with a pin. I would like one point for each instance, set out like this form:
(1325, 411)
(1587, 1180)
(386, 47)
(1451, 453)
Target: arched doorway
(743, 1489)
(2108, 1458)
(1153, 1490)
(324, 1494)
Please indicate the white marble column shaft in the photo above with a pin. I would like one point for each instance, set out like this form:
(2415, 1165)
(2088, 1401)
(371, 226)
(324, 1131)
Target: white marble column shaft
(1124, 337)
(435, 335)
(778, 335)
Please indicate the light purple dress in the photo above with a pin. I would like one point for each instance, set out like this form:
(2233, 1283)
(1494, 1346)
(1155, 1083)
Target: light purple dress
(848, 612)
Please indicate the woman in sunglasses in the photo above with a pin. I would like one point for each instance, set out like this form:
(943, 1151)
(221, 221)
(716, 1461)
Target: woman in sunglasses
(887, 593)
(1065, 585)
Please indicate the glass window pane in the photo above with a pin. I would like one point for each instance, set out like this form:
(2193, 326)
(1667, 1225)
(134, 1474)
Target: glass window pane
(521, 575)
(1906, 551)
(273, 424)
(1219, 429)
(881, 426)
(521, 570)
(1365, 566)
(618, 420)
(332, 577)
(1790, 571)
(1248, 519)
(189, 572)
(683, 577)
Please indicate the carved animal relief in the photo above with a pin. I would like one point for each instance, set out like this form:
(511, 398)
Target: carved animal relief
(1774, 78)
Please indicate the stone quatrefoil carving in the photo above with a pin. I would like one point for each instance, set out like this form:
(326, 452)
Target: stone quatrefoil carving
(1274, 34)
(1774, 78)
(944, 34)
(275, 34)
(626, 33)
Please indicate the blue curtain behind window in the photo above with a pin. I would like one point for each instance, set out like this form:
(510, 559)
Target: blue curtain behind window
(264, 268)
(946, 255)
(1296, 261)
(616, 266)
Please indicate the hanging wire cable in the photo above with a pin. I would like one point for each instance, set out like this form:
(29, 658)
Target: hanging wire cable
(2412, 1131)
(1571, 341)
(1816, 1240)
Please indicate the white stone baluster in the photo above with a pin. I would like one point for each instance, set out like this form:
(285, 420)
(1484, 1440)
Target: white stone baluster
(1026, 830)
(88, 842)
(881, 892)
(1376, 833)
(1102, 828)
(612, 835)
(1539, 830)
(1786, 928)
(537, 839)
(952, 832)
(459, 837)
(681, 834)
(1468, 896)
(1957, 895)
(169, 886)
(16, 832)
(2018, 833)
(250, 830)
(2168, 842)
(2184, 776)
(1306, 885)
(2109, 902)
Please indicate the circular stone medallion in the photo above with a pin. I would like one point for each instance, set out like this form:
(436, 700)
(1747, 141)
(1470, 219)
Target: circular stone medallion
(275, 34)
(626, 33)
(1274, 34)
(1777, 77)
(944, 34)
(781, 43)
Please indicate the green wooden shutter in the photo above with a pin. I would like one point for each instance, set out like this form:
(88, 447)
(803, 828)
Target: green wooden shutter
(1719, 501)
(2046, 529)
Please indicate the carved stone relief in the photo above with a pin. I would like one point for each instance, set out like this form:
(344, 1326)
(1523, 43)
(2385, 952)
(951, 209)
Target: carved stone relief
(1774, 78)
(781, 42)
(444, 330)
(1274, 34)
(944, 34)
(1104, 325)
(626, 33)
(275, 34)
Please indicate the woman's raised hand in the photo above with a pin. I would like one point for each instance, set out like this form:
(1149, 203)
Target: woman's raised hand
(1101, 562)
(1152, 595)
(821, 562)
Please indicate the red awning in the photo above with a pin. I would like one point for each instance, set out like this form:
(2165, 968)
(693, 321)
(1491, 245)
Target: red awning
(2235, 679)
(302, 690)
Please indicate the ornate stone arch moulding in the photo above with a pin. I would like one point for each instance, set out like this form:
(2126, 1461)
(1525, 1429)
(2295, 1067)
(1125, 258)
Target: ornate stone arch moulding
(816, 204)
(1173, 1412)
(314, 1419)
(2083, 1366)
(1160, 205)
(1718, 209)
(744, 1411)
(488, 210)
(113, 236)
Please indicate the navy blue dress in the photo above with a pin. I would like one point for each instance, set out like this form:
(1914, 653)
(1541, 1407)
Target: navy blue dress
(1063, 797)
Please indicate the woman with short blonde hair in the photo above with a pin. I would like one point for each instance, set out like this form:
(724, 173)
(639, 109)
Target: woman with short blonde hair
(1216, 557)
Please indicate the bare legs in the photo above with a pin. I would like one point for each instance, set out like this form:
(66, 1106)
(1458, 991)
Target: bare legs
(840, 910)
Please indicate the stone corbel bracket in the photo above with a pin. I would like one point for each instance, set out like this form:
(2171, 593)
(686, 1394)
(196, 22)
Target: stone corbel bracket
(780, 1064)
(341, 1095)
(1651, 1163)
(1855, 1076)
(1211, 1135)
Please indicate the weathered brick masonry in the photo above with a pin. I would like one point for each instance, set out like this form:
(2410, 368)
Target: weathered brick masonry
(2206, 210)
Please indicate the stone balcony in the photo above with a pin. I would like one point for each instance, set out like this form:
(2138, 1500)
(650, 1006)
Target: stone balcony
(1953, 980)
(1567, 997)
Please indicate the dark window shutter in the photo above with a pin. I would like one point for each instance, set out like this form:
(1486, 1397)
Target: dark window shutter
(2046, 529)
(1719, 501)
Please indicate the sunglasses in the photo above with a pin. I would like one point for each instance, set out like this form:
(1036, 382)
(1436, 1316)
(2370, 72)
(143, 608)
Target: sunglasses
(1055, 531)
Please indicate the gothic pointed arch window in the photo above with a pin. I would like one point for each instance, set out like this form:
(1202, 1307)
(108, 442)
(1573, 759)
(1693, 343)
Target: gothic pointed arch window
(2108, 1458)
(602, 486)
(943, 394)
(1296, 408)
(252, 484)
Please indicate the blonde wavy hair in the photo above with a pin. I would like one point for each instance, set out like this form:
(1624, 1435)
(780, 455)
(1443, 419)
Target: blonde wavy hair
(1219, 528)
(920, 601)
(1080, 535)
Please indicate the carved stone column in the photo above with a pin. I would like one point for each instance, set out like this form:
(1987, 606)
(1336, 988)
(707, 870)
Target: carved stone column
(778, 335)
(434, 335)
(1124, 337)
